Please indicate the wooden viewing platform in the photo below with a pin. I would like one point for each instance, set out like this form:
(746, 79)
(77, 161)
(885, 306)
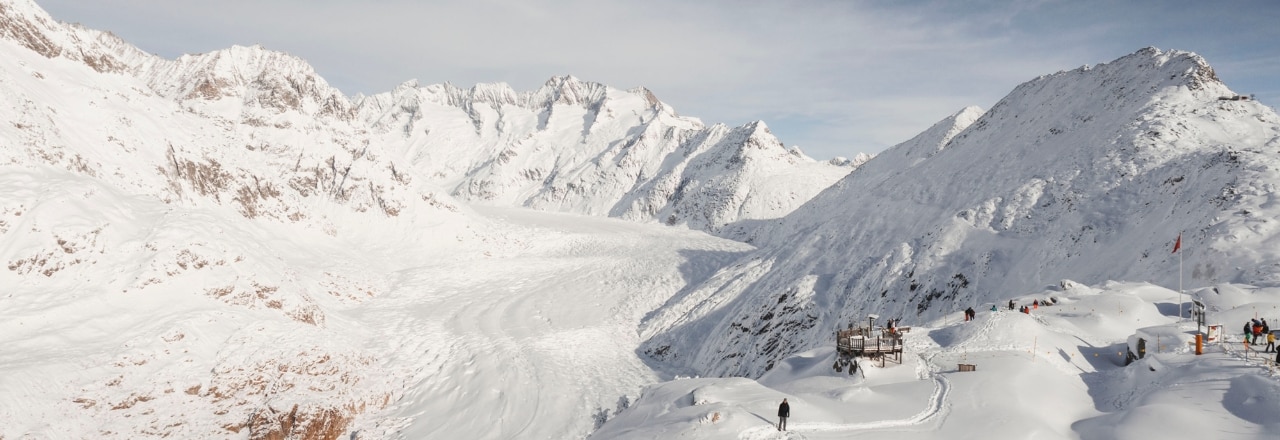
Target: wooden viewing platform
(874, 343)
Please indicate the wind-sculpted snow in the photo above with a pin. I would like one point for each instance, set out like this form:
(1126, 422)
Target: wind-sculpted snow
(1089, 174)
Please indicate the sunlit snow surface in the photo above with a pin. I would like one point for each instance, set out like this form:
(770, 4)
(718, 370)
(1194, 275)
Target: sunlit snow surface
(529, 329)
(189, 259)
(1057, 372)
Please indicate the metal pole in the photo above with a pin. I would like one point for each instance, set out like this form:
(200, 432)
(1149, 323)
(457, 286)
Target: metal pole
(1180, 279)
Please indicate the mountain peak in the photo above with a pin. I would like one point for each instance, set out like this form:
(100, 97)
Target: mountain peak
(562, 81)
(1188, 67)
(265, 82)
(569, 90)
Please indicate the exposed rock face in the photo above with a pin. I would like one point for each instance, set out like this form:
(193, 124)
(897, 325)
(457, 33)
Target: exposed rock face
(316, 424)
(1086, 175)
(23, 22)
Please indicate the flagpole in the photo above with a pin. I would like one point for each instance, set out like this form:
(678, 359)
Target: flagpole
(1180, 278)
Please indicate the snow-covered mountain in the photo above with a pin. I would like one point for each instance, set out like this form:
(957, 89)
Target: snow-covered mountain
(1088, 175)
(582, 147)
(571, 146)
(224, 246)
(218, 234)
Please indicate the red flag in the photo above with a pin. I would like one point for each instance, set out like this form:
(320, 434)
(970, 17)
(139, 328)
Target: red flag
(1178, 244)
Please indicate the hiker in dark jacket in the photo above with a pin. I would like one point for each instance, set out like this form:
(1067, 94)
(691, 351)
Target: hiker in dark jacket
(784, 411)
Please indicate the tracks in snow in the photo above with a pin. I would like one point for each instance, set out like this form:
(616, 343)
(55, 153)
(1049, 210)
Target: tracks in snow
(934, 411)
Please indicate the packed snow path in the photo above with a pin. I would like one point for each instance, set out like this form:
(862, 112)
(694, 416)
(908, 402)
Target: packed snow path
(929, 355)
(934, 411)
(937, 351)
(533, 343)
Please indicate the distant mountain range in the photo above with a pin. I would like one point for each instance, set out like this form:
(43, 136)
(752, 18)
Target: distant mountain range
(270, 122)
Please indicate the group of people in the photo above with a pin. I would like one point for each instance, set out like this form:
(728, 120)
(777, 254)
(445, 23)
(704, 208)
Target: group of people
(969, 314)
(1257, 331)
(1035, 304)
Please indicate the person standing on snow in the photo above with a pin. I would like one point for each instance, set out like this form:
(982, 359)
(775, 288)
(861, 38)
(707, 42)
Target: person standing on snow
(784, 411)
(1248, 331)
(1271, 342)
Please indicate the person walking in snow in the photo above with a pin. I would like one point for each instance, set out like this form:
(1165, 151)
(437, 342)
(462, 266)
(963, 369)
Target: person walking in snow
(968, 313)
(1248, 331)
(1271, 342)
(1010, 304)
(784, 411)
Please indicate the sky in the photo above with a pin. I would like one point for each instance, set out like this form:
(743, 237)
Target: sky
(834, 77)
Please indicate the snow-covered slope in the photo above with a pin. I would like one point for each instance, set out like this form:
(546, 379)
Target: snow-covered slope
(220, 246)
(162, 262)
(1058, 372)
(1089, 174)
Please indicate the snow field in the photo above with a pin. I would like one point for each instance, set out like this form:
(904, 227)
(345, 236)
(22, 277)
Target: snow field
(1057, 372)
